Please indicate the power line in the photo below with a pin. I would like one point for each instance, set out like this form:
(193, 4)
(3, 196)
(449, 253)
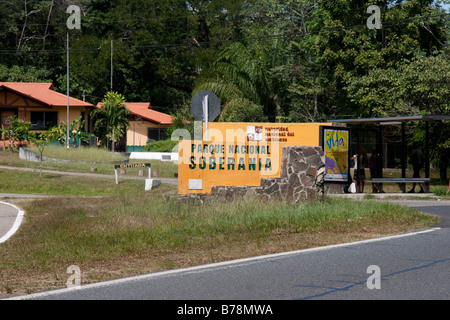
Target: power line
(388, 24)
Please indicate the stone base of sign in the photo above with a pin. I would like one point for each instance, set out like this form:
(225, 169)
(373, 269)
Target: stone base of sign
(151, 183)
(302, 175)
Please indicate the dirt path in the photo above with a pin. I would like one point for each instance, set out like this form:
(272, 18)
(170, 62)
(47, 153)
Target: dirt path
(163, 180)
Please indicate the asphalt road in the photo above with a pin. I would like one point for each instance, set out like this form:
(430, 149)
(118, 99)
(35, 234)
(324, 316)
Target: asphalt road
(437, 208)
(406, 267)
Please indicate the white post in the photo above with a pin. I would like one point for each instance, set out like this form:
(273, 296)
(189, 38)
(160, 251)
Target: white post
(117, 177)
(205, 116)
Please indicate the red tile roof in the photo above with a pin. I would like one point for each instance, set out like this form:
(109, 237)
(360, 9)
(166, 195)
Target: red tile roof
(44, 93)
(142, 109)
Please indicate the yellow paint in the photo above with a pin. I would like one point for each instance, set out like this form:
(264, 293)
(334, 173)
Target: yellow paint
(137, 134)
(74, 113)
(240, 154)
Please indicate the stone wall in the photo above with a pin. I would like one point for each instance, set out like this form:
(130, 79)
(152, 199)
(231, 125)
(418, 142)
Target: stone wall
(302, 174)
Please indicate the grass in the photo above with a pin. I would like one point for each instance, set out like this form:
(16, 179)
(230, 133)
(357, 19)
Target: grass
(17, 182)
(113, 231)
(441, 191)
(86, 154)
(164, 169)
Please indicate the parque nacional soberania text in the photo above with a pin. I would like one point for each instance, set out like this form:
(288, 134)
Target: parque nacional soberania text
(214, 157)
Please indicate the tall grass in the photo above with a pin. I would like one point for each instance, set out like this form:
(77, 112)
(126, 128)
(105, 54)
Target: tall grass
(80, 231)
(441, 191)
(87, 154)
(17, 182)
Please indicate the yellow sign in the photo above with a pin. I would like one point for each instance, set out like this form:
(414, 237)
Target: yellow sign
(239, 154)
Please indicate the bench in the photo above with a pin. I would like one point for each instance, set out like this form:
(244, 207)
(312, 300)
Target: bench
(402, 182)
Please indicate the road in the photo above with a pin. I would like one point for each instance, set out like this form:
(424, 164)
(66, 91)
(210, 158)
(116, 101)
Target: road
(407, 267)
(10, 220)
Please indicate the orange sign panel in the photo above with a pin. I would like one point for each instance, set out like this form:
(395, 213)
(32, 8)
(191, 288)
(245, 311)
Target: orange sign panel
(239, 154)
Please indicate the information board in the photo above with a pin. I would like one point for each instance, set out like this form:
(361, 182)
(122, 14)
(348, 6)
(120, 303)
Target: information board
(335, 142)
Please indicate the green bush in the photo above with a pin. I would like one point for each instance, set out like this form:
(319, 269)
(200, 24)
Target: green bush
(440, 191)
(162, 146)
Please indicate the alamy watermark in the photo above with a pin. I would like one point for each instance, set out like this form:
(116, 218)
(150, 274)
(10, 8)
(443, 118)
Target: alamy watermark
(374, 21)
(74, 281)
(74, 21)
(374, 281)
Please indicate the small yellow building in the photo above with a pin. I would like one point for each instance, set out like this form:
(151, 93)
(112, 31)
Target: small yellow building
(145, 125)
(41, 105)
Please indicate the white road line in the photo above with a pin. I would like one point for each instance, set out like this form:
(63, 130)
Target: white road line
(202, 268)
(17, 222)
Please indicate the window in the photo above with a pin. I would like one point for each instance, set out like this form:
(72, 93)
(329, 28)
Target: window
(43, 120)
(156, 134)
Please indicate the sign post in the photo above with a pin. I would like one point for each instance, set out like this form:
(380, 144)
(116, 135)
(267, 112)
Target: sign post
(205, 116)
(124, 166)
(205, 106)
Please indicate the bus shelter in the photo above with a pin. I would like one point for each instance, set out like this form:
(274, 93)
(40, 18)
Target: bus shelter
(376, 125)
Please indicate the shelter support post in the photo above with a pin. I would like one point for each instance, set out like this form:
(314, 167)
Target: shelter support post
(403, 151)
(427, 154)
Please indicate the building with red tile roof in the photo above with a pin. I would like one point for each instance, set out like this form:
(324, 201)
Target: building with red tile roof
(146, 125)
(40, 104)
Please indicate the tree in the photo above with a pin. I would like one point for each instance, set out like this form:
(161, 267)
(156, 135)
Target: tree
(242, 85)
(41, 141)
(421, 86)
(22, 74)
(112, 118)
(281, 40)
(18, 130)
(346, 50)
(76, 133)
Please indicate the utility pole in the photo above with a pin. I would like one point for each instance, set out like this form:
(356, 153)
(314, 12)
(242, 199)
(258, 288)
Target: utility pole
(74, 22)
(112, 61)
(68, 103)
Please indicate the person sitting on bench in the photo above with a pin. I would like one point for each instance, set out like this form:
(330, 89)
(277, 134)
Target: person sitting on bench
(416, 161)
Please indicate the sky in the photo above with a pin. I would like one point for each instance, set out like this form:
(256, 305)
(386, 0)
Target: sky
(446, 7)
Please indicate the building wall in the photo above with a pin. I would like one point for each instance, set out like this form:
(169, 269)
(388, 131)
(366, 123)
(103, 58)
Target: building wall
(137, 134)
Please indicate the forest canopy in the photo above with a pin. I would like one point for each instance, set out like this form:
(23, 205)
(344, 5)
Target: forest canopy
(268, 60)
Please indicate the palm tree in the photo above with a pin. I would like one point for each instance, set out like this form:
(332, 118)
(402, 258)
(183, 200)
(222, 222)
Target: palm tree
(112, 117)
(241, 83)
